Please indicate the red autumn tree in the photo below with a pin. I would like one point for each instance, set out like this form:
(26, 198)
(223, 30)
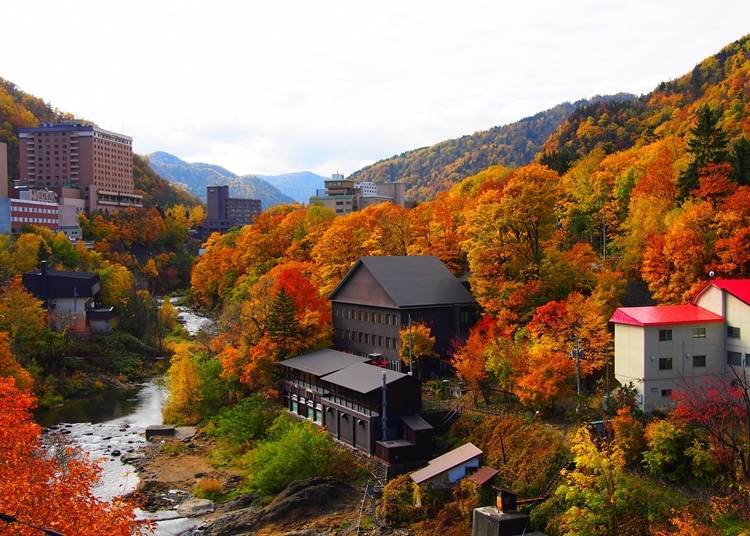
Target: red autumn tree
(721, 408)
(37, 488)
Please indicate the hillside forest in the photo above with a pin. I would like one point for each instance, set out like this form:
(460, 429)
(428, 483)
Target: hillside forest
(626, 201)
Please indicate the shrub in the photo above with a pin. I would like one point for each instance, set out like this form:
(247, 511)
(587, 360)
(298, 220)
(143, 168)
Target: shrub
(666, 457)
(214, 391)
(208, 488)
(294, 451)
(248, 420)
(397, 505)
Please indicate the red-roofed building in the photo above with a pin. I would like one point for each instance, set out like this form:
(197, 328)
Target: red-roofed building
(663, 347)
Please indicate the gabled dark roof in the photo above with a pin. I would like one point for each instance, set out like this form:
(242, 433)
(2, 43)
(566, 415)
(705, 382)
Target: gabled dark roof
(323, 362)
(59, 284)
(363, 378)
(413, 281)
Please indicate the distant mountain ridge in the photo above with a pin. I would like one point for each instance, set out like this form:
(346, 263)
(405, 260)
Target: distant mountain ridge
(300, 185)
(195, 177)
(429, 170)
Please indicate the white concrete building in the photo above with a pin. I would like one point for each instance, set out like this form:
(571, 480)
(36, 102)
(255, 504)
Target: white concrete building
(666, 347)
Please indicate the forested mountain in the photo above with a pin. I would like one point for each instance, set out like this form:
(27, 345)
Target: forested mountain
(21, 110)
(300, 186)
(195, 177)
(436, 168)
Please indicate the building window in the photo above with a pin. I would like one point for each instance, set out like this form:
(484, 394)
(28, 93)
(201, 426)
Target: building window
(666, 393)
(747, 360)
(699, 361)
(380, 318)
(665, 335)
(734, 358)
(733, 332)
(359, 315)
(699, 333)
(359, 337)
(380, 341)
(387, 342)
(367, 338)
(665, 363)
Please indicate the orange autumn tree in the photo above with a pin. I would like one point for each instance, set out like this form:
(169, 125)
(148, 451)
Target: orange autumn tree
(38, 488)
(285, 316)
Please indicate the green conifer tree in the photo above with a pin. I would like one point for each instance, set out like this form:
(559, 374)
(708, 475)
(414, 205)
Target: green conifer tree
(741, 161)
(708, 145)
(283, 327)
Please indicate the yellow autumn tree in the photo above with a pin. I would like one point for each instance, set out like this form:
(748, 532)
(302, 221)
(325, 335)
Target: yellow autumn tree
(420, 340)
(10, 367)
(183, 404)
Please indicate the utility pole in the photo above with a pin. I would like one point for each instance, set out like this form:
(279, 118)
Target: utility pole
(604, 239)
(411, 370)
(384, 417)
(577, 354)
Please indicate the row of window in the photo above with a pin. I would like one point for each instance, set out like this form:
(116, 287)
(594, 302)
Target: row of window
(35, 210)
(21, 219)
(366, 338)
(367, 316)
(699, 333)
(665, 363)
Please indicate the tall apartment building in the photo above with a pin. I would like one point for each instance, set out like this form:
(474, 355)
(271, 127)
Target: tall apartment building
(662, 348)
(345, 196)
(95, 163)
(224, 212)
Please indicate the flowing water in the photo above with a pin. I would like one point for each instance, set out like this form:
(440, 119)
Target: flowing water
(113, 421)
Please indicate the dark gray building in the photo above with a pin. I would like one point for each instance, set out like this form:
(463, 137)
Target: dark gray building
(344, 393)
(379, 294)
(224, 212)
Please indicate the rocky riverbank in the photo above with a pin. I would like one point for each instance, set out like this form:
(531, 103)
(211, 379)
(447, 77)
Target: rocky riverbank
(170, 469)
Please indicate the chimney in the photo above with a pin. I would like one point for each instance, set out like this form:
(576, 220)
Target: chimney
(506, 501)
(43, 267)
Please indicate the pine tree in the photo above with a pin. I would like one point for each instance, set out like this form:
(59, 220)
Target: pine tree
(708, 145)
(741, 161)
(283, 326)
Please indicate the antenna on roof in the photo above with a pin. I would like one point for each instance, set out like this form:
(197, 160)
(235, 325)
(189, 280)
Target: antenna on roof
(711, 274)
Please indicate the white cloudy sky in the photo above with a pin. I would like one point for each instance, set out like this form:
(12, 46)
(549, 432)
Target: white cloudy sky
(278, 86)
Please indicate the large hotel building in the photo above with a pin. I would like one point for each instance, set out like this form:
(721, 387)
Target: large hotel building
(77, 160)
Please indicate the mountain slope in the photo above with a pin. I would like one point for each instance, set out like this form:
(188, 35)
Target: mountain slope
(719, 81)
(195, 177)
(429, 170)
(300, 185)
(20, 110)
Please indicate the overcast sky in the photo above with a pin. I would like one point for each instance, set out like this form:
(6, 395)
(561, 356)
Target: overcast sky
(278, 86)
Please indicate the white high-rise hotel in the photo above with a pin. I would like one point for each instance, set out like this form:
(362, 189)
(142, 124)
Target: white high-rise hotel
(666, 347)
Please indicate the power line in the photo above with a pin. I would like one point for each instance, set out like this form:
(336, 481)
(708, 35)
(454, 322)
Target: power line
(10, 519)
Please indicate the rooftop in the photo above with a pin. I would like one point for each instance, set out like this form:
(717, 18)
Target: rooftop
(663, 315)
(61, 284)
(363, 378)
(446, 462)
(416, 423)
(483, 475)
(413, 280)
(323, 362)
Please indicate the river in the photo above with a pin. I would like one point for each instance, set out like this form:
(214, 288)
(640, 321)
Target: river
(113, 421)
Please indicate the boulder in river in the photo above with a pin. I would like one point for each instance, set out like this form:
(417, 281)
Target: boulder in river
(195, 507)
(159, 430)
